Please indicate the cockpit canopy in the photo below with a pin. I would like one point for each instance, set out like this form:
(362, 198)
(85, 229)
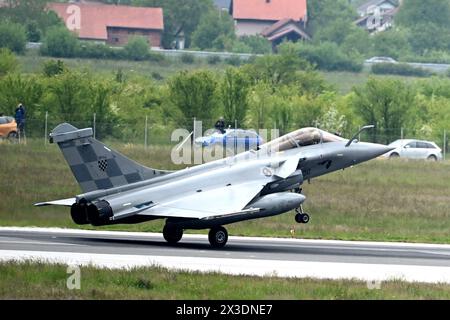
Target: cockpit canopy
(301, 138)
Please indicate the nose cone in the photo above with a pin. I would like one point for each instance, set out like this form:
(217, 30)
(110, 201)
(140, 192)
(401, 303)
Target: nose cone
(367, 151)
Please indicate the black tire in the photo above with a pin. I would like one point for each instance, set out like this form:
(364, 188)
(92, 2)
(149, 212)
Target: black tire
(394, 155)
(13, 135)
(172, 234)
(432, 158)
(302, 218)
(218, 237)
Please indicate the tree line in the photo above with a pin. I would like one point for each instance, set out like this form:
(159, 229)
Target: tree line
(282, 91)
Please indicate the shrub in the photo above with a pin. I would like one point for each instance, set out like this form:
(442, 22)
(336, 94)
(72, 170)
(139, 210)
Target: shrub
(258, 44)
(137, 48)
(95, 51)
(328, 56)
(401, 69)
(233, 61)
(187, 58)
(33, 32)
(60, 43)
(53, 67)
(157, 76)
(12, 36)
(214, 59)
(8, 61)
(157, 57)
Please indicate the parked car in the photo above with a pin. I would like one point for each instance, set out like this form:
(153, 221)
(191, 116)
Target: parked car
(381, 60)
(414, 149)
(242, 139)
(8, 128)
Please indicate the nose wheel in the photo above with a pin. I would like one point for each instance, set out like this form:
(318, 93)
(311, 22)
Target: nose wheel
(301, 217)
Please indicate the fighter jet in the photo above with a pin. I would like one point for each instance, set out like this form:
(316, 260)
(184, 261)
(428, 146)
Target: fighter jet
(263, 182)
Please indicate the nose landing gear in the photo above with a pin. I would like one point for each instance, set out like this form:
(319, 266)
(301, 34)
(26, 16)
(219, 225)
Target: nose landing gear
(301, 217)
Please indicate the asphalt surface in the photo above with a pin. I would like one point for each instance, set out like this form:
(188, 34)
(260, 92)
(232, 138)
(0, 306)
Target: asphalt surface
(197, 246)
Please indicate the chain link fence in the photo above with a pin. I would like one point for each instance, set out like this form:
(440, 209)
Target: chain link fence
(147, 132)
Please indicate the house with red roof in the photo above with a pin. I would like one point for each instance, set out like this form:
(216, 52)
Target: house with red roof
(111, 24)
(274, 19)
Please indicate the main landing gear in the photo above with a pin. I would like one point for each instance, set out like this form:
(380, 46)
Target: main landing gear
(172, 234)
(218, 236)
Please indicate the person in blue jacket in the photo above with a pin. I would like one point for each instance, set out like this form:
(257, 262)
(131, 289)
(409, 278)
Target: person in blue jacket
(20, 118)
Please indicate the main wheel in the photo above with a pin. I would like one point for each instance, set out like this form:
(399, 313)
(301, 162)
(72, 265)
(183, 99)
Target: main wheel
(218, 237)
(432, 158)
(302, 218)
(172, 234)
(394, 156)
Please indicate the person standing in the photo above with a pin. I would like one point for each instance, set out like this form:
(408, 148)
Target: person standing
(220, 125)
(20, 119)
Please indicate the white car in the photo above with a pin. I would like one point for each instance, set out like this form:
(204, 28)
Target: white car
(414, 149)
(381, 60)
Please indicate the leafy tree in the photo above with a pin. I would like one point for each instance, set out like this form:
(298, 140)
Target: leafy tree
(234, 90)
(137, 48)
(323, 13)
(257, 44)
(101, 93)
(392, 43)
(33, 32)
(212, 28)
(34, 12)
(179, 15)
(329, 56)
(12, 36)
(414, 12)
(260, 106)
(70, 96)
(16, 88)
(194, 94)
(386, 103)
(60, 42)
(8, 61)
(277, 69)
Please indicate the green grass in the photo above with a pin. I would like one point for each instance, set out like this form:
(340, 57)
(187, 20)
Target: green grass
(33, 63)
(379, 200)
(42, 281)
(344, 82)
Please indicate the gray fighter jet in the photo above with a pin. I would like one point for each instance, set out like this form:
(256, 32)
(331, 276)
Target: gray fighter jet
(255, 184)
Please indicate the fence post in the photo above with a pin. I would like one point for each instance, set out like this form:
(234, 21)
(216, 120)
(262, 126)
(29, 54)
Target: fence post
(94, 125)
(445, 144)
(401, 134)
(46, 128)
(146, 130)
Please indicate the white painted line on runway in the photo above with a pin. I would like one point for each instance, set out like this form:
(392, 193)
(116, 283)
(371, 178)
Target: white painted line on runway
(205, 237)
(39, 243)
(297, 269)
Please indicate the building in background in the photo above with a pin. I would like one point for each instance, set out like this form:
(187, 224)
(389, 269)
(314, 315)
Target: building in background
(377, 15)
(111, 24)
(274, 19)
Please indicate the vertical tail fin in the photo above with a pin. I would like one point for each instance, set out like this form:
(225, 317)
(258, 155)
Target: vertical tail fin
(94, 165)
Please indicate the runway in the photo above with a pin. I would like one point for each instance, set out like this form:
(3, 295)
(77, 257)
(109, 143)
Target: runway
(369, 261)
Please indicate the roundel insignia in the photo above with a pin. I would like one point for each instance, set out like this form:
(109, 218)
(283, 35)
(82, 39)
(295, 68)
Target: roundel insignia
(267, 172)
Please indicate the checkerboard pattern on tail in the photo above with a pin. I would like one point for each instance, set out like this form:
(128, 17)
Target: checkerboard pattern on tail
(95, 166)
